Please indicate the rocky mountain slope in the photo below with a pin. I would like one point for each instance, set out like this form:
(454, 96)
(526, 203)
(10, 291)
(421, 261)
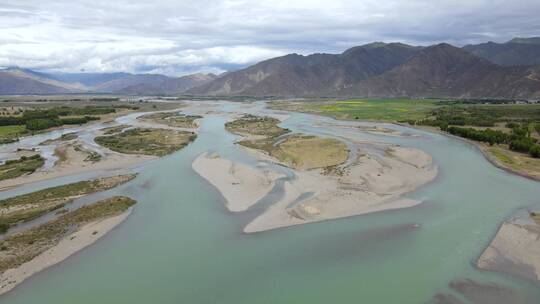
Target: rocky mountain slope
(447, 71)
(310, 75)
(518, 51)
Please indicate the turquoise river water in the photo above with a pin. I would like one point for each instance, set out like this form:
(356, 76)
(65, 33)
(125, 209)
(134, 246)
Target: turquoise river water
(181, 245)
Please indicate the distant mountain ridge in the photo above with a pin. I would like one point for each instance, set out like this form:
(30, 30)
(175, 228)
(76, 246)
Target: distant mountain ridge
(170, 85)
(495, 70)
(447, 71)
(19, 81)
(388, 70)
(518, 51)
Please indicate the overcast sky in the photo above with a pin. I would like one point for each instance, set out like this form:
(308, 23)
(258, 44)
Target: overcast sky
(186, 36)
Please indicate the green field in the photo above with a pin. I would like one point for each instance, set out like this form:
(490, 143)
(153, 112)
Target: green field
(11, 132)
(368, 109)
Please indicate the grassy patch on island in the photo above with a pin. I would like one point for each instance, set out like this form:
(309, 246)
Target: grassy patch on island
(256, 125)
(175, 120)
(309, 152)
(158, 142)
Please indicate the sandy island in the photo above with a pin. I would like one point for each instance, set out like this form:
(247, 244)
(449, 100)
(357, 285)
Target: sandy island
(515, 249)
(69, 245)
(368, 184)
(241, 185)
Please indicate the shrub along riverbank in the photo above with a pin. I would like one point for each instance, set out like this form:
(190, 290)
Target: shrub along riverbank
(42, 119)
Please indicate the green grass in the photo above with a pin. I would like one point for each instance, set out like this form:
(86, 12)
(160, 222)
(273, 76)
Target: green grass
(505, 159)
(176, 120)
(380, 109)
(8, 133)
(256, 125)
(384, 109)
(158, 142)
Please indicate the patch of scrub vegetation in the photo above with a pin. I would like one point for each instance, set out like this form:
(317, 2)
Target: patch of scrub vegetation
(395, 109)
(158, 142)
(31, 120)
(114, 129)
(63, 137)
(173, 119)
(20, 248)
(9, 134)
(513, 126)
(91, 156)
(24, 165)
(68, 136)
(309, 152)
(26, 207)
(256, 125)
(501, 156)
(515, 161)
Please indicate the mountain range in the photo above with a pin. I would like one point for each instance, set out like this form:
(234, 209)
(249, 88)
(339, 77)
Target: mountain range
(18, 81)
(495, 70)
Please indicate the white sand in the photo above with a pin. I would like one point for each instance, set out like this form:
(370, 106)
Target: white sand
(66, 247)
(370, 185)
(515, 249)
(241, 185)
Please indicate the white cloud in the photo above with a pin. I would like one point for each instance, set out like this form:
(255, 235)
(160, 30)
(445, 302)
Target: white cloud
(178, 37)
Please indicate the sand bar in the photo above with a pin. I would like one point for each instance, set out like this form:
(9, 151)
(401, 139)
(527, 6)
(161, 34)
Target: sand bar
(370, 184)
(241, 185)
(515, 249)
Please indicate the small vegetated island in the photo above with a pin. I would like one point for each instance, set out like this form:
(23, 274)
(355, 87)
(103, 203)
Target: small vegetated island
(65, 231)
(147, 141)
(333, 177)
(173, 119)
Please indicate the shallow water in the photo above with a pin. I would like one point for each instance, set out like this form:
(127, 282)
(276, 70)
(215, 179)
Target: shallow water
(180, 245)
